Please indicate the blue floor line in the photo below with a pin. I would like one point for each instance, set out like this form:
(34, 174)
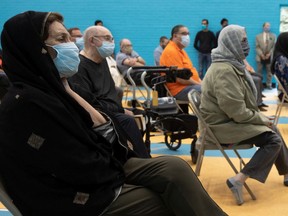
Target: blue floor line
(5, 212)
(161, 148)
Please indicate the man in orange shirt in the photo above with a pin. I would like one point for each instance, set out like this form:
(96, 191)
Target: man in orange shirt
(175, 55)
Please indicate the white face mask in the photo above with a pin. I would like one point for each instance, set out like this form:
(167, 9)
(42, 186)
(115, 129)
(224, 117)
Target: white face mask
(67, 59)
(185, 40)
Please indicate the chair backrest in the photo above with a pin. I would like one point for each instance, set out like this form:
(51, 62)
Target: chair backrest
(195, 100)
(284, 99)
(281, 87)
(7, 201)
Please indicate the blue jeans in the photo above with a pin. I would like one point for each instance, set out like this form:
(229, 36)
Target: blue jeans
(204, 60)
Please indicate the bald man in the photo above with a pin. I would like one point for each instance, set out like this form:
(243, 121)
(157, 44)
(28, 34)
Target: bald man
(95, 83)
(127, 57)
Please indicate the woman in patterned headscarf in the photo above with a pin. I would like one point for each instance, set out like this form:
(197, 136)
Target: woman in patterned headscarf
(279, 65)
(228, 104)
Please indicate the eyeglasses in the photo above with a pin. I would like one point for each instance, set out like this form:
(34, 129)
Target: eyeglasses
(184, 33)
(106, 37)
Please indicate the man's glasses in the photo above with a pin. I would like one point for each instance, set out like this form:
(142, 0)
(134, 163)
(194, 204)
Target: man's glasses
(106, 37)
(184, 33)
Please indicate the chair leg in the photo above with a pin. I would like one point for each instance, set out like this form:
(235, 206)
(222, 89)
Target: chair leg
(250, 191)
(199, 160)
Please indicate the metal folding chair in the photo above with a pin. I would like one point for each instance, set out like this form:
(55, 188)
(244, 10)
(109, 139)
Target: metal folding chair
(179, 102)
(280, 105)
(202, 143)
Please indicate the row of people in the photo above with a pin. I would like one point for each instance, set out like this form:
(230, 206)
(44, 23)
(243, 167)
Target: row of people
(205, 41)
(75, 157)
(61, 151)
(230, 52)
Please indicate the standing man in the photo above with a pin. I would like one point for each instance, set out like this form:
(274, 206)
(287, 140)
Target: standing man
(265, 42)
(224, 23)
(175, 55)
(159, 49)
(204, 42)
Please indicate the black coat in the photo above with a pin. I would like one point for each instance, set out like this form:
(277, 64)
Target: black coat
(51, 160)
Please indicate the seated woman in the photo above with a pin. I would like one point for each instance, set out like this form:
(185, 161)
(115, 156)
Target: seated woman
(279, 65)
(228, 104)
(60, 156)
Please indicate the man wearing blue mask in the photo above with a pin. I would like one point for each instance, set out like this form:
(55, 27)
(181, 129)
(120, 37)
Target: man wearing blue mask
(265, 42)
(95, 83)
(204, 42)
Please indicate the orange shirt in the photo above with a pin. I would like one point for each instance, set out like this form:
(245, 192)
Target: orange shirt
(174, 56)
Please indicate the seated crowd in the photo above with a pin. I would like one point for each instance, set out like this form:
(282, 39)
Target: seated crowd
(64, 130)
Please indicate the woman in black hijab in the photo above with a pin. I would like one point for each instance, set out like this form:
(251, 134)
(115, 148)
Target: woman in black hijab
(279, 65)
(59, 156)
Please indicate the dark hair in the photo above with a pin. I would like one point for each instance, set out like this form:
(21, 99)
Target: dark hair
(175, 30)
(52, 17)
(205, 20)
(264, 24)
(223, 20)
(162, 38)
(70, 30)
(98, 21)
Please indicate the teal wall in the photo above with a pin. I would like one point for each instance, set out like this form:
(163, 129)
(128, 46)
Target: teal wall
(145, 21)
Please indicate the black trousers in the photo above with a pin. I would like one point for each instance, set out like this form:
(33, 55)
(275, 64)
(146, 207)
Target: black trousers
(272, 150)
(162, 186)
(129, 124)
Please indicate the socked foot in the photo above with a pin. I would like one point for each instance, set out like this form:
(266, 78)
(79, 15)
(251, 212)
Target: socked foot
(236, 189)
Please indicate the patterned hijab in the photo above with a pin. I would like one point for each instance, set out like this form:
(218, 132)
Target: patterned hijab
(230, 50)
(281, 48)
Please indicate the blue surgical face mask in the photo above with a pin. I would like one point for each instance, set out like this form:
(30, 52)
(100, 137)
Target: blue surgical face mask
(67, 59)
(80, 43)
(106, 49)
(203, 27)
(185, 40)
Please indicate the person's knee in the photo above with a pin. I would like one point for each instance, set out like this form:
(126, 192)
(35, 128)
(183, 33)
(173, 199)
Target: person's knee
(275, 141)
(175, 167)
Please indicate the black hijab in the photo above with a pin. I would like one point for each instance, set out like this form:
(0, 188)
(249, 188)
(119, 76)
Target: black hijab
(26, 60)
(281, 48)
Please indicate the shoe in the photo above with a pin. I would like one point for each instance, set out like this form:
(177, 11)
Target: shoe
(285, 182)
(262, 109)
(236, 189)
(263, 105)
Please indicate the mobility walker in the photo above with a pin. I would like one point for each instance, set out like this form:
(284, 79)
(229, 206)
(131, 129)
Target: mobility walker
(169, 120)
